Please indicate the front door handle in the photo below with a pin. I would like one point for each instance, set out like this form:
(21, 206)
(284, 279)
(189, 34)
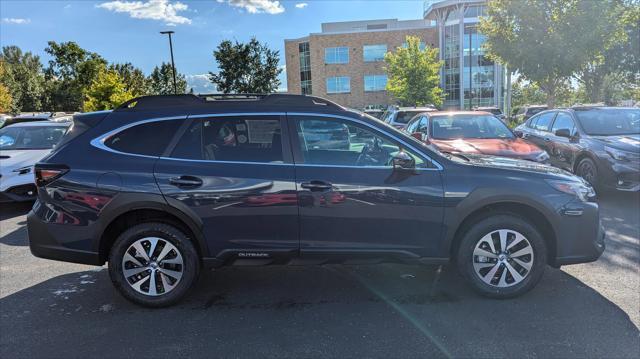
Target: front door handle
(316, 185)
(186, 182)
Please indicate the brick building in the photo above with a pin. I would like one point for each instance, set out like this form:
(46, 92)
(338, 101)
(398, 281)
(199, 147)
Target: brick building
(344, 62)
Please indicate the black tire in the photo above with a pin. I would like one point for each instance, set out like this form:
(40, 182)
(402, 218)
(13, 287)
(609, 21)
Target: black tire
(587, 169)
(465, 256)
(190, 269)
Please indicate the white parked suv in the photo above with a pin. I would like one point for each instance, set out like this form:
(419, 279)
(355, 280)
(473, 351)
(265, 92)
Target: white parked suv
(22, 145)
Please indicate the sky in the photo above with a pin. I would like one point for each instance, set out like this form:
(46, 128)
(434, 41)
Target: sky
(128, 30)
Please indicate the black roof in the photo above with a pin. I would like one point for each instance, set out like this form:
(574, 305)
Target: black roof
(230, 101)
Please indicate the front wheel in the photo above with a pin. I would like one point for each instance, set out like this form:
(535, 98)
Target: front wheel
(502, 256)
(587, 169)
(153, 264)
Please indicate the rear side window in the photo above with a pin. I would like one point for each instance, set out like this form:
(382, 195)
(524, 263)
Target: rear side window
(233, 138)
(150, 139)
(544, 120)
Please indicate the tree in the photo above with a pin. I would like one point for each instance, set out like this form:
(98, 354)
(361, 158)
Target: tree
(5, 97)
(107, 91)
(413, 75)
(71, 71)
(133, 78)
(23, 78)
(161, 81)
(548, 41)
(618, 66)
(246, 68)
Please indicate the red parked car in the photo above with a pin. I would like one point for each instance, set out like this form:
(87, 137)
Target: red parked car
(472, 132)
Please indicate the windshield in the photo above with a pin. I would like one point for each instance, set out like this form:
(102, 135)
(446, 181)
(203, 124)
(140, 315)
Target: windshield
(406, 116)
(468, 126)
(30, 138)
(610, 122)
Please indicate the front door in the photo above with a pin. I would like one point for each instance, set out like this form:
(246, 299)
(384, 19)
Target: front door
(352, 201)
(235, 173)
(563, 149)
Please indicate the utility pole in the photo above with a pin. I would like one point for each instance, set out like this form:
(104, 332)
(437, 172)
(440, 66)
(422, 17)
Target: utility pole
(173, 65)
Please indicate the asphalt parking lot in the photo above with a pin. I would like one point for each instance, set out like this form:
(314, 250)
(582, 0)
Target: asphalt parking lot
(54, 309)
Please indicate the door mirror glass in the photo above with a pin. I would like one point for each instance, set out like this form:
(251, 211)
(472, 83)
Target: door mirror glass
(403, 161)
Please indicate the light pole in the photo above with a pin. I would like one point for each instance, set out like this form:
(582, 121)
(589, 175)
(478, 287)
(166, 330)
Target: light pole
(173, 65)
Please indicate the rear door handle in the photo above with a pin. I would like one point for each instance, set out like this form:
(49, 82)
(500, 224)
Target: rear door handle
(186, 182)
(316, 185)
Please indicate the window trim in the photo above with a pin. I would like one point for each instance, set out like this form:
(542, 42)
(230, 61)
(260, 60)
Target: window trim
(98, 142)
(334, 48)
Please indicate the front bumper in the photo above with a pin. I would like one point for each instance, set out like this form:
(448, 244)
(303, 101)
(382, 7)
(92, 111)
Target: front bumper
(580, 234)
(622, 176)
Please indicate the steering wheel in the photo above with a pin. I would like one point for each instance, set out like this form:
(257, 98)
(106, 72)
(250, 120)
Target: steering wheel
(370, 153)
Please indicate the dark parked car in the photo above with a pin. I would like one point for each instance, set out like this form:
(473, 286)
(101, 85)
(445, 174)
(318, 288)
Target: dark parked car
(494, 111)
(398, 117)
(166, 185)
(472, 132)
(600, 144)
(525, 112)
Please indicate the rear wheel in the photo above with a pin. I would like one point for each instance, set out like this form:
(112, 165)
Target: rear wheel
(502, 256)
(153, 264)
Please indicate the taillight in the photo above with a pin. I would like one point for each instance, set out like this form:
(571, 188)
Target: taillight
(47, 173)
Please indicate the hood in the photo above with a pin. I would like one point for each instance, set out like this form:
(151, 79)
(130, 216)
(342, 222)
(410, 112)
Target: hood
(515, 148)
(629, 143)
(515, 164)
(14, 159)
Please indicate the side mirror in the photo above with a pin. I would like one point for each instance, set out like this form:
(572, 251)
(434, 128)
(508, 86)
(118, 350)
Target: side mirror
(403, 161)
(563, 132)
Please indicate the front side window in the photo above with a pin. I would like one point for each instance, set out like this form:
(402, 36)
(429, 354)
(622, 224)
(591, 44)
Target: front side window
(375, 82)
(150, 139)
(610, 121)
(30, 137)
(341, 84)
(334, 142)
(468, 126)
(232, 138)
(563, 122)
(336, 55)
(371, 53)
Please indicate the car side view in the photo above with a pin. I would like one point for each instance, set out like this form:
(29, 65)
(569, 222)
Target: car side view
(472, 132)
(165, 186)
(600, 144)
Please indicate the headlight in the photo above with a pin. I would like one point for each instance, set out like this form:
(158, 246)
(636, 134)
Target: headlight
(542, 157)
(583, 191)
(616, 154)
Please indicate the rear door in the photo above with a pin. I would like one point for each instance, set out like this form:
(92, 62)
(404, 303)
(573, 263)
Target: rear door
(540, 134)
(562, 149)
(351, 199)
(234, 172)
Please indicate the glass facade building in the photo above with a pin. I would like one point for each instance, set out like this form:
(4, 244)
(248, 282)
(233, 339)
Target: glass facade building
(468, 77)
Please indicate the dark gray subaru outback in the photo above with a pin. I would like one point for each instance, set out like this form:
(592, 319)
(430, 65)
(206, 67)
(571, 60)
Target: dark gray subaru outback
(164, 186)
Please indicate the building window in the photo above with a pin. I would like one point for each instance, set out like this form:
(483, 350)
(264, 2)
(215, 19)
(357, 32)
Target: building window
(375, 83)
(336, 55)
(373, 53)
(341, 84)
(305, 68)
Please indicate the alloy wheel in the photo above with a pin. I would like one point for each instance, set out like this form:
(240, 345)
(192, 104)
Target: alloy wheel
(152, 266)
(503, 258)
(587, 171)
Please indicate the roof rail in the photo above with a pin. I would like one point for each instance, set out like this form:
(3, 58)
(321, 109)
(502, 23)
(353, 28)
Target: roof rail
(159, 101)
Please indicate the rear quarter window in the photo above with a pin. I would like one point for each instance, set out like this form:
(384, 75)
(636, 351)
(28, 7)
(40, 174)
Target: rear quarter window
(149, 139)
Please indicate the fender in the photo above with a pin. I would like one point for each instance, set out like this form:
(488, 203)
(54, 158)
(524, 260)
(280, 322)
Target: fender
(126, 202)
(456, 214)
